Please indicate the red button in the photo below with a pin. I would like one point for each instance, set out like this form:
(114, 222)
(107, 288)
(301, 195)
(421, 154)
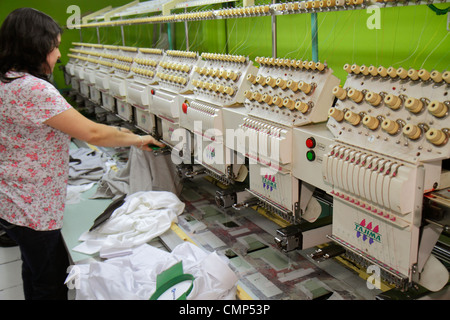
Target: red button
(184, 107)
(310, 142)
(152, 91)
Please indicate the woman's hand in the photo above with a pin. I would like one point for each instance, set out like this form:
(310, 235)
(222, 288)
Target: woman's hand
(147, 142)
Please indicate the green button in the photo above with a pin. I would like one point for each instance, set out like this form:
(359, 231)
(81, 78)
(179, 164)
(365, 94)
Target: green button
(310, 155)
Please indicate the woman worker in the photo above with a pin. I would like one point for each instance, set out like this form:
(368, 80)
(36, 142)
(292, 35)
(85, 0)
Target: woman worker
(36, 124)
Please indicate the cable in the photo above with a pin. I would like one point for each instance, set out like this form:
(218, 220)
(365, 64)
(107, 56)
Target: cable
(437, 10)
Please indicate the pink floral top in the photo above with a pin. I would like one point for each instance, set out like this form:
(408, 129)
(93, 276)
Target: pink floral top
(34, 157)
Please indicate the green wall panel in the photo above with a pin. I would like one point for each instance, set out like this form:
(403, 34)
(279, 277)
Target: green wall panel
(411, 37)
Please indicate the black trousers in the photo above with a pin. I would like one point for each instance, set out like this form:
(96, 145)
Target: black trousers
(44, 261)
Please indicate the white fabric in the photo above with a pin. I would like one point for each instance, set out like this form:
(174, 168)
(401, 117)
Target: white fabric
(142, 217)
(134, 277)
(74, 192)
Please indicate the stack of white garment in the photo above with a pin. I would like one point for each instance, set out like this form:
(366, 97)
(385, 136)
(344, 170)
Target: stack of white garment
(134, 277)
(142, 217)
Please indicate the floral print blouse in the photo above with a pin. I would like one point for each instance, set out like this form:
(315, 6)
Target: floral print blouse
(34, 157)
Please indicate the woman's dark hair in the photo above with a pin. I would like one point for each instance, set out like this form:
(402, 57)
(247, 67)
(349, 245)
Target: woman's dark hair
(27, 36)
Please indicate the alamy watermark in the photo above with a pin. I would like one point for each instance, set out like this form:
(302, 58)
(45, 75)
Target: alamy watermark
(374, 279)
(374, 21)
(259, 146)
(74, 20)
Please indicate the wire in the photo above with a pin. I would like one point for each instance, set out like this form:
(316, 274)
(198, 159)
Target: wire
(437, 10)
(418, 42)
(433, 50)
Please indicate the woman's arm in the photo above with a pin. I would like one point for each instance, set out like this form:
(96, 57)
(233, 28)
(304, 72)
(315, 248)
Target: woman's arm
(78, 126)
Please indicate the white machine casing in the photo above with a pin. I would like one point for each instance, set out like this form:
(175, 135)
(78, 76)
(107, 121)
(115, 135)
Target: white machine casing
(142, 75)
(285, 94)
(303, 92)
(379, 170)
(174, 74)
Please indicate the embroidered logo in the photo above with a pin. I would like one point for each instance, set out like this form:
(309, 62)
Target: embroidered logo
(210, 152)
(367, 231)
(269, 182)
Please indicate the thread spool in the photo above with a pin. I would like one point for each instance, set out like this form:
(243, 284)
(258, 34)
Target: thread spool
(271, 81)
(340, 93)
(308, 4)
(337, 114)
(312, 65)
(436, 76)
(412, 131)
(373, 71)
(392, 72)
(232, 75)
(305, 65)
(355, 95)
(229, 91)
(257, 96)
(331, 3)
(424, 74)
(305, 87)
(288, 103)
(320, 66)
(251, 78)
(286, 63)
(301, 106)
(413, 74)
(213, 87)
(216, 73)
(347, 68)
(373, 98)
(316, 4)
(355, 69)
(267, 99)
(437, 108)
(364, 70)
(393, 101)
(436, 136)
(291, 84)
(261, 80)
(382, 71)
(414, 105)
(371, 122)
(281, 83)
(352, 117)
(402, 73)
(248, 94)
(446, 76)
(277, 101)
(223, 74)
(390, 126)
